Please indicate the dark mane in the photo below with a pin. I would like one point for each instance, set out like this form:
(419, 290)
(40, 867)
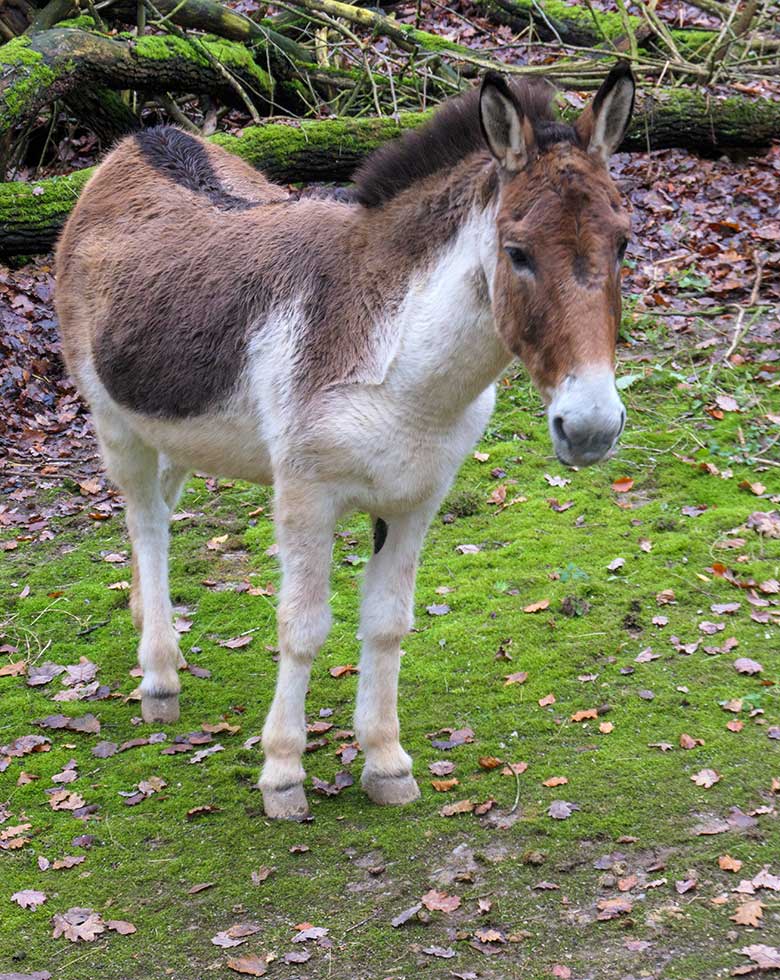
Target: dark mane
(450, 136)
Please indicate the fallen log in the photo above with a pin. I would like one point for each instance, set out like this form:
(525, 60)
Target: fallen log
(212, 17)
(51, 64)
(31, 214)
(555, 20)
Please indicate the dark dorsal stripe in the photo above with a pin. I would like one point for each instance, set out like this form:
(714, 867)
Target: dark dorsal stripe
(453, 133)
(183, 159)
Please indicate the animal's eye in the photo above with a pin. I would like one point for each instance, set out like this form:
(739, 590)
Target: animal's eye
(621, 252)
(520, 259)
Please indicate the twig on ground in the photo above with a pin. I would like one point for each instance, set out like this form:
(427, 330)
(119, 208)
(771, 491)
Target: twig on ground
(362, 922)
(739, 330)
(179, 117)
(517, 791)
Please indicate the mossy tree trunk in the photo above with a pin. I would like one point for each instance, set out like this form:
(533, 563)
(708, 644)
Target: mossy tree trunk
(31, 214)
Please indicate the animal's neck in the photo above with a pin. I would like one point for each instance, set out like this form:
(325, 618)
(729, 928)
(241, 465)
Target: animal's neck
(449, 349)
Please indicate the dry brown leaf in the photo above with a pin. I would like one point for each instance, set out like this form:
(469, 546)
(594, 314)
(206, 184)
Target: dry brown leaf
(235, 935)
(64, 799)
(555, 781)
(706, 778)
(765, 957)
(519, 677)
(585, 715)
(623, 485)
(252, 966)
(453, 809)
(688, 742)
(69, 861)
(436, 901)
(78, 925)
(121, 926)
(29, 898)
(444, 785)
(728, 863)
(749, 913)
(539, 606)
(514, 769)
(219, 727)
(611, 908)
(262, 874)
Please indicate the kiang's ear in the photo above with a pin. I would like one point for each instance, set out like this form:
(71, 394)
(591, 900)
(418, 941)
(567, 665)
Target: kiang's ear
(507, 132)
(603, 123)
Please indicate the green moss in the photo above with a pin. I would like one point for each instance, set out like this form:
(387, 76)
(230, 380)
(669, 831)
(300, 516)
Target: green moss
(610, 23)
(33, 76)
(84, 23)
(19, 52)
(232, 54)
(274, 147)
(433, 42)
(161, 47)
(147, 857)
(33, 204)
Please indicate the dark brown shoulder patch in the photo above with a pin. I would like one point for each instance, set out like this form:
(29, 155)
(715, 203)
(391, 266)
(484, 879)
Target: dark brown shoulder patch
(182, 158)
(172, 347)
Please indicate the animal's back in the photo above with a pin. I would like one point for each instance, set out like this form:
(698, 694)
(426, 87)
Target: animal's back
(156, 272)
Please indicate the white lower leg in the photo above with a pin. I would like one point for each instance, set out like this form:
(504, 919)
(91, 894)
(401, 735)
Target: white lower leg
(171, 480)
(386, 616)
(284, 732)
(376, 715)
(303, 618)
(158, 652)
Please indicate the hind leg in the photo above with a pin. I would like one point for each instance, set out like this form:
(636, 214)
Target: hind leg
(135, 468)
(172, 480)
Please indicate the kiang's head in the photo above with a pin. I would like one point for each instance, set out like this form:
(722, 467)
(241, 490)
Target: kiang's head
(562, 234)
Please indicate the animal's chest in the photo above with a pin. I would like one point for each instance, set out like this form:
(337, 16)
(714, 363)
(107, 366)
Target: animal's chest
(389, 461)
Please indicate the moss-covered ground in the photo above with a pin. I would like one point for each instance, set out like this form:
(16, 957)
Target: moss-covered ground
(363, 865)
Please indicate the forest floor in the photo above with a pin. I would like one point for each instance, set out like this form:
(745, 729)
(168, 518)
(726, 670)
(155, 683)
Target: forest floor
(591, 690)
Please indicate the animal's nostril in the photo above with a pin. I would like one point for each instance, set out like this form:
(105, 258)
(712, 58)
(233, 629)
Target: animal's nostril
(558, 428)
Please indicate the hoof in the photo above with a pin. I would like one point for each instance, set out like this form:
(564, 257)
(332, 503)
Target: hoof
(390, 790)
(160, 710)
(285, 804)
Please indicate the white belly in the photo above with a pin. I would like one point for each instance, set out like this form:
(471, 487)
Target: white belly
(227, 445)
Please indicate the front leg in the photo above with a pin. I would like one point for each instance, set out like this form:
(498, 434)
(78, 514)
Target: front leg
(386, 616)
(304, 519)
